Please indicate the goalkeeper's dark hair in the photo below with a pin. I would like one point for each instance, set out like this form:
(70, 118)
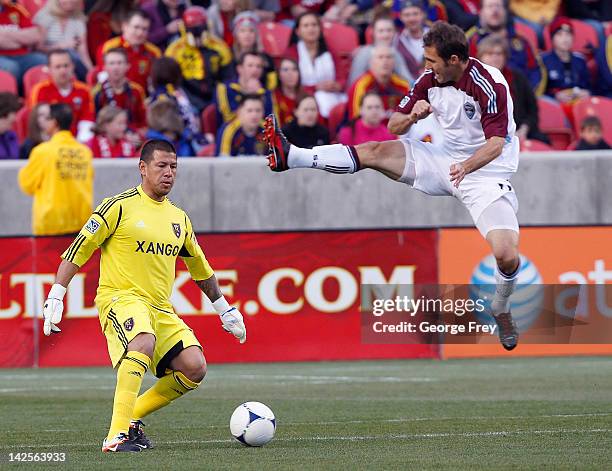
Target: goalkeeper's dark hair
(149, 147)
(448, 40)
(62, 115)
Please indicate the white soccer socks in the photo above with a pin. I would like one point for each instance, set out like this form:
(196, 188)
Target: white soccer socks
(335, 158)
(503, 289)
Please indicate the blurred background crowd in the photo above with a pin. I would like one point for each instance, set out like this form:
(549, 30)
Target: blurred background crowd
(203, 74)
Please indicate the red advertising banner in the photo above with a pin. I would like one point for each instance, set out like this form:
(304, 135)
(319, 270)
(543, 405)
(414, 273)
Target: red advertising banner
(299, 293)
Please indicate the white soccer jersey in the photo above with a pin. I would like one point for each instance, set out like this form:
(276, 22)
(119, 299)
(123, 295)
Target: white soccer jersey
(471, 110)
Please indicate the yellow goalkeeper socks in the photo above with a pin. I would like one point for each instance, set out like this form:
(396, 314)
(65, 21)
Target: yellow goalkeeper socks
(162, 393)
(129, 379)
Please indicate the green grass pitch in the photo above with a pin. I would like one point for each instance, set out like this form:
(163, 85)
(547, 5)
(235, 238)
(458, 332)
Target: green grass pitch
(544, 413)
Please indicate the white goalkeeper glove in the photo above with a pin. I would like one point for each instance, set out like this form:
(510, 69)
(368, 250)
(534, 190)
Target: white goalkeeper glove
(53, 309)
(231, 319)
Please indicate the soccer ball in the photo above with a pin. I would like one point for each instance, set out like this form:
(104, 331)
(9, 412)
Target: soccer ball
(253, 424)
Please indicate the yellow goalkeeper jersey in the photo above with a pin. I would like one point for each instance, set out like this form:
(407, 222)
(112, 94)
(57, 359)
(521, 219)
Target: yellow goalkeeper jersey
(140, 239)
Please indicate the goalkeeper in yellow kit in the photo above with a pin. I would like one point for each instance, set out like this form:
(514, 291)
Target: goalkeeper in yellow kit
(140, 233)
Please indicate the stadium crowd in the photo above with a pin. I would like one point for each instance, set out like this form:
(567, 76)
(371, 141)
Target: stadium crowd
(203, 74)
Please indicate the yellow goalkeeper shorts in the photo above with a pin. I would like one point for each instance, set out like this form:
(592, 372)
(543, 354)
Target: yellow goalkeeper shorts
(130, 316)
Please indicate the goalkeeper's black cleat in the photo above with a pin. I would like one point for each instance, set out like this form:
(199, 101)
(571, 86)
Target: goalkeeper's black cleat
(121, 443)
(277, 143)
(508, 335)
(136, 434)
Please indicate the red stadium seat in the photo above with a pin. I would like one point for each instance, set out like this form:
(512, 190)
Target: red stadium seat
(553, 123)
(274, 38)
(7, 82)
(92, 77)
(369, 35)
(209, 119)
(529, 145)
(33, 5)
(595, 106)
(336, 115)
(207, 151)
(341, 40)
(585, 37)
(32, 77)
(527, 32)
(21, 123)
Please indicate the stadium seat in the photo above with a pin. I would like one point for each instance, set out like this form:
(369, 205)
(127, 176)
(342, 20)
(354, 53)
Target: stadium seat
(207, 151)
(274, 38)
(585, 37)
(32, 77)
(341, 40)
(369, 35)
(209, 119)
(21, 123)
(33, 6)
(529, 145)
(553, 123)
(7, 82)
(336, 116)
(527, 32)
(595, 106)
(92, 77)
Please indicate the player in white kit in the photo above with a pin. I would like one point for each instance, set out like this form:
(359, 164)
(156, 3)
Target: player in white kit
(473, 106)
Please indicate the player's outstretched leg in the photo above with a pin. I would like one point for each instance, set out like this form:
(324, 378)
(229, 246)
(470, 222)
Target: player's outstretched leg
(130, 373)
(504, 244)
(188, 371)
(387, 157)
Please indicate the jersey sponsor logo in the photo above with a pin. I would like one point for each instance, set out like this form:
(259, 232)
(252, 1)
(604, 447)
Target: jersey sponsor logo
(404, 102)
(92, 225)
(141, 224)
(177, 229)
(157, 248)
(470, 110)
(129, 324)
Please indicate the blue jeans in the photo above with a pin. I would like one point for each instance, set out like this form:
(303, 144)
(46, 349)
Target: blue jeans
(18, 65)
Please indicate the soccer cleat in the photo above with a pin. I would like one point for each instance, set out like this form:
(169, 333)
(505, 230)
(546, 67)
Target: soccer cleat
(120, 443)
(508, 335)
(136, 434)
(277, 143)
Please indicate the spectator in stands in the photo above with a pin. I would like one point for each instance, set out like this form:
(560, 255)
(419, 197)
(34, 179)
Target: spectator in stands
(536, 11)
(305, 130)
(104, 21)
(116, 90)
(110, 134)
(18, 37)
(604, 68)
(599, 10)
(221, 15)
(165, 20)
(568, 76)
(204, 58)
(316, 7)
(231, 93)
(165, 123)
(341, 11)
(62, 23)
(288, 90)
(380, 79)
(240, 136)
(494, 50)
(370, 124)
(591, 135)
(59, 174)
(62, 87)
(265, 10)
(9, 144)
(166, 77)
(494, 18)
(434, 9)
(141, 53)
(317, 69)
(383, 32)
(246, 39)
(463, 13)
(409, 42)
(38, 129)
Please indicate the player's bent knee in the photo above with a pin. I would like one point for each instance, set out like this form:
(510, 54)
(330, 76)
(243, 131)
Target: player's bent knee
(507, 256)
(191, 363)
(143, 343)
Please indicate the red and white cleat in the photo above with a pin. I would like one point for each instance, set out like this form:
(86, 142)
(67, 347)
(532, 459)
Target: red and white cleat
(277, 143)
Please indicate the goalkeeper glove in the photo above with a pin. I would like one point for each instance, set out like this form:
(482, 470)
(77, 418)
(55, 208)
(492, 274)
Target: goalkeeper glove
(53, 308)
(231, 319)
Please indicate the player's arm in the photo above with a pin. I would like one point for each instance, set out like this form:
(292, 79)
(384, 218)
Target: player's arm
(413, 107)
(101, 225)
(490, 151)
(205, 278)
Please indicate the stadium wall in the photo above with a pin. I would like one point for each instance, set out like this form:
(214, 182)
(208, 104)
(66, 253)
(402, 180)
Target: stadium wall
(241, 194)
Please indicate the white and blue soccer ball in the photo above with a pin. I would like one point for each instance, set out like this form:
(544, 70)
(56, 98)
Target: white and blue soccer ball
(253, 424)
(526, 301)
